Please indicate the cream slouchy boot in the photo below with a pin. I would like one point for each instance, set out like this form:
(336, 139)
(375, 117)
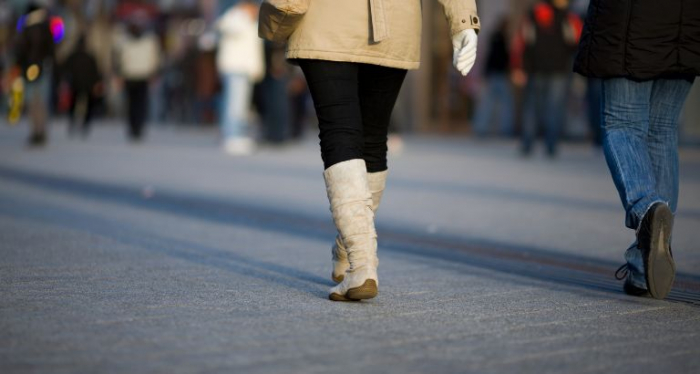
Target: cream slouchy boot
(377, 183)
(351, 205)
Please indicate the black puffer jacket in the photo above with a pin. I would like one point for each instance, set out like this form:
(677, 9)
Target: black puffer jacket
(640, 39)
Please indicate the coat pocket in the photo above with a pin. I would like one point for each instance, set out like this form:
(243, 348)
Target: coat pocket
(279, 18)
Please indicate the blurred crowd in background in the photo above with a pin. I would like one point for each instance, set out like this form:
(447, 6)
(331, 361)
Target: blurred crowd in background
(200, 63)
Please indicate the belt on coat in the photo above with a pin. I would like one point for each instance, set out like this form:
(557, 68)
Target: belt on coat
(380, 22)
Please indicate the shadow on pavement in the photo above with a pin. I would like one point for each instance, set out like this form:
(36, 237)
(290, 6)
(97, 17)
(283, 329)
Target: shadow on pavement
(450, 251)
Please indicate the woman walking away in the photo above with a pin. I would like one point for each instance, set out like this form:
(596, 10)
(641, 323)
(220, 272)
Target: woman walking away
(355, 55)
(647, 56)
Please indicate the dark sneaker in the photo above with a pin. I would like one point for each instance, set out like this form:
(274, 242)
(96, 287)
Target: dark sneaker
(633, 272)
(653, 240)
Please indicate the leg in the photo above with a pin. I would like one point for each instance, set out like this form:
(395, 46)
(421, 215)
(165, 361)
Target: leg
(90, 101)
(334, 87)
(142, 105)
(504, 96)
(626, 123)
(554, 112)
(593, 95)
(531, 113)
(484, 110)
(36, 107)
(72, 113)
(626, 126)
(237, 99)
(379, 89)
(654, 235)
(667, 98)
(225, 106)
(132, 103)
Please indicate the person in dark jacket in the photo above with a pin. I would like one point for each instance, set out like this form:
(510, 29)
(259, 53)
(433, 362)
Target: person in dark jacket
(35, 57)
(542, 53)
(647, 55)
(498, 91)
(84, 79)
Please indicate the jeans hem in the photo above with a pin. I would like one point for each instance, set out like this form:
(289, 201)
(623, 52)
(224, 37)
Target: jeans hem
(646, 210)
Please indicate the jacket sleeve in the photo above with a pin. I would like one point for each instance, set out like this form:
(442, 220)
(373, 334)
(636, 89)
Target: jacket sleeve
(461, 15)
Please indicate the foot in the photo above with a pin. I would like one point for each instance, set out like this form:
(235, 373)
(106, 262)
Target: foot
(340, 261)
(350, 198)
(633, 273)
(367, 290)
(357, 285)
(377, 183)
(37, 140)
(239, 146)
(653, 238)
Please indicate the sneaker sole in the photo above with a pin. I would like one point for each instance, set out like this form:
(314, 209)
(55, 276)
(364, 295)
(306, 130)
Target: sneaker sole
(660, 267)
(368, 290)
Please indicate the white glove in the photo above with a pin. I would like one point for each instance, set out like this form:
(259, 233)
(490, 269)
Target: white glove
(464, 50)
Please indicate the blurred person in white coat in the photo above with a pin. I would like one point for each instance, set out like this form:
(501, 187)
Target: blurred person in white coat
(138, 61)
(241, 63)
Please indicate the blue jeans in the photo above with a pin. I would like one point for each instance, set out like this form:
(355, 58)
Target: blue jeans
(640, 125)
(545, 104)
(497, 93)
(235, 103)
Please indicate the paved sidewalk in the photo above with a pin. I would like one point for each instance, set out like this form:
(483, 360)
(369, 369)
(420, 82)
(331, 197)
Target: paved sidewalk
(171, 257)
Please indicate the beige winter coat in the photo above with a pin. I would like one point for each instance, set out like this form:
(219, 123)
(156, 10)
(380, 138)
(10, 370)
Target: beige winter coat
(379, 32)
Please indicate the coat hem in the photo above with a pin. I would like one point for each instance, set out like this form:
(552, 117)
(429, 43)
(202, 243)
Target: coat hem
(352, 57)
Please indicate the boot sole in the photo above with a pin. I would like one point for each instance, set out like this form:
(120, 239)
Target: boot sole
(660, 267)
(368, 290)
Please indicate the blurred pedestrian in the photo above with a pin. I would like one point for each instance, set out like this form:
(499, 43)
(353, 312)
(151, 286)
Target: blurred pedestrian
(299, 97)
(594, 95)
(138, 61)
(207, 80)
(276, 111)
(86, 87)
(355, 59)
(497, 93)
(542, 54)
(35, 57)
(241, 63)
(647, 56)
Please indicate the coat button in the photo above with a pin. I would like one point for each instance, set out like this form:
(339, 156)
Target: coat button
(464, 21)
(475, 20)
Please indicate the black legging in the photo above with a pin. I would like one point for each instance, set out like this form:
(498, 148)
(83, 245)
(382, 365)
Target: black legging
(137, 95)
(353, 103)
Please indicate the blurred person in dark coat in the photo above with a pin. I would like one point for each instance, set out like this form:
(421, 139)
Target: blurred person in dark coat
(647, 55)
(299, 97)
(85, 82)
(138, 61)
(35, 57)
(274, 101)
(543, 52)
(498, 90)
